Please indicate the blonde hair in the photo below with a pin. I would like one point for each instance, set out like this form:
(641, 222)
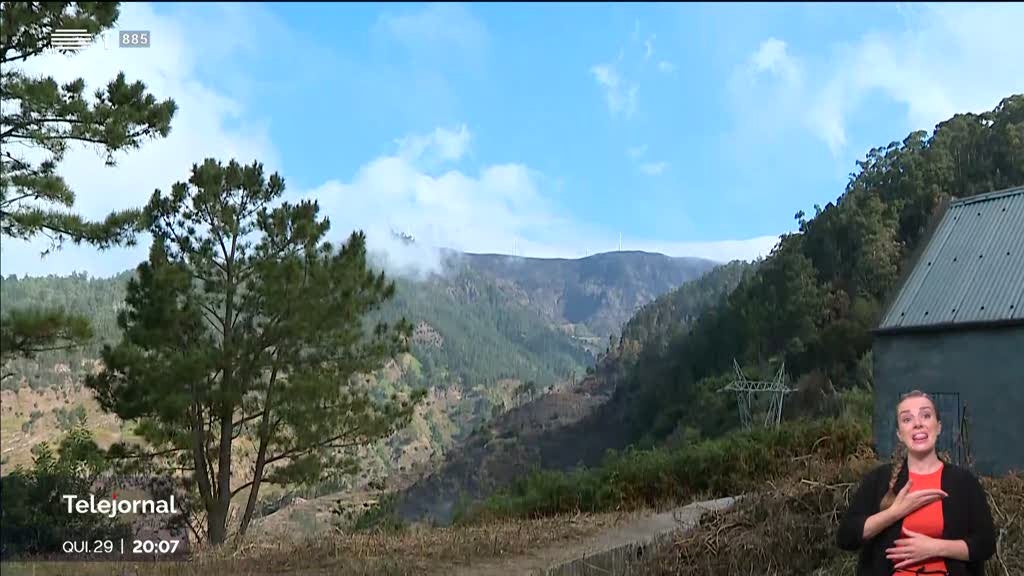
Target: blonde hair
(899, 454)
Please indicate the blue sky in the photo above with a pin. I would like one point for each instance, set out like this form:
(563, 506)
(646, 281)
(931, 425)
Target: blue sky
(694, 129)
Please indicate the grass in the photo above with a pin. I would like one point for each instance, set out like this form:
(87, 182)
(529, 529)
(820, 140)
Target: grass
(797, 482)
(18, 406)
(418, 550)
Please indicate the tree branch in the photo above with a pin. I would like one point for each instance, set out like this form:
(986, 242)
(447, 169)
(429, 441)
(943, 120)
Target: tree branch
(327, 443)
(248, 418)
(212, 312)
(149, 455)
(240, 488)
(9, 135)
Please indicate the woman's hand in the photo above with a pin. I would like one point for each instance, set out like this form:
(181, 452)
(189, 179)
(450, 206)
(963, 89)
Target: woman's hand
(914, 549)
(906, 501)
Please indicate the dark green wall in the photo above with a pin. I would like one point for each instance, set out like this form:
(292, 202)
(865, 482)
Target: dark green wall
(984, 366)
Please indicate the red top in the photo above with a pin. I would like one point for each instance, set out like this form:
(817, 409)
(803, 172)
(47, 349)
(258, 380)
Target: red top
(925, 520)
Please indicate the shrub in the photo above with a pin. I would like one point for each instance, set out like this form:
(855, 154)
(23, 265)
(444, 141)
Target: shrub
(380, 517)
(727, 466)
(789, 528)
(34, 518)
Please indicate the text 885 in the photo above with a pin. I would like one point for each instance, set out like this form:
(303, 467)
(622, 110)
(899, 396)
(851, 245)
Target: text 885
(133, 38)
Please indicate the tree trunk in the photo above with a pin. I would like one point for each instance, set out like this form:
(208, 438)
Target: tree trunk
(217, 522)
(226, 409)
(261, 455)
(223, 502)
(202, 475)
(257, 479)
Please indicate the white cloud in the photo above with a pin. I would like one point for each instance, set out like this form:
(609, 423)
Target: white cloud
(441, 145)
(947, 59)
(500, 208)
(439, 24)
(637, 151)
(769, 54)
(648, 168)
(950, 59)
(206, 124)
(620, 92)
(408, 190)
(620, 95)
(653, 168)
(487, 212)
(772, 56)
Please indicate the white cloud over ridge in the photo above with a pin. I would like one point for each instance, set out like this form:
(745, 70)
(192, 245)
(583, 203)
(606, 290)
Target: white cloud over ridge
(501, 207)
(418, 188)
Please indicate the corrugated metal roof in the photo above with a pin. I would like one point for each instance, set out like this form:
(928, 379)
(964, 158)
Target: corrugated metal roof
(971, 271)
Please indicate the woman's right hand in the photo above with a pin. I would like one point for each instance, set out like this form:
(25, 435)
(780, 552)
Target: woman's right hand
(907, 502)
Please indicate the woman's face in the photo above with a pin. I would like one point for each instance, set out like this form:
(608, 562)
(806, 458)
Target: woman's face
(918, 425)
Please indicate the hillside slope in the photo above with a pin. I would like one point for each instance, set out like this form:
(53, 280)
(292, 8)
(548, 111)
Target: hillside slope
(813, 302)
(485, 339)
(588, 297)
(569, 426)
(810, 305)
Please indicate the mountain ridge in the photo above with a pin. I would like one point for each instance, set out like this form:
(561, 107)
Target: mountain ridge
(494, 333)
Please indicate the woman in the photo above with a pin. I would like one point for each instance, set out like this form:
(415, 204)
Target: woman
(919, 515)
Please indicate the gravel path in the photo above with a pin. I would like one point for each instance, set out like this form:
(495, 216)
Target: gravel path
(607, 552)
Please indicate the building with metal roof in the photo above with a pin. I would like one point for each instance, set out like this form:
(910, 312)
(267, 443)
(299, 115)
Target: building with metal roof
(955, 329)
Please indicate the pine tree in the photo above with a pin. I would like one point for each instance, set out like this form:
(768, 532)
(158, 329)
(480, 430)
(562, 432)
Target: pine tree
(41, 115)
(245, 327)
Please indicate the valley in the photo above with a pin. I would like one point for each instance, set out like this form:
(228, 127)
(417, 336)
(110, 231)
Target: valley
(200, 298)
(492, 334)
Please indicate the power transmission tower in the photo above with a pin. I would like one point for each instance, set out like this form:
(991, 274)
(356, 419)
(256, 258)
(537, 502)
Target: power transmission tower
(746, 390)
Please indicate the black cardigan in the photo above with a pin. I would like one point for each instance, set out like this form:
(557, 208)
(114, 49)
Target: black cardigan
(965, 512)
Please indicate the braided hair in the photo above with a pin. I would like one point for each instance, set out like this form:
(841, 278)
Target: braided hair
(899, 454)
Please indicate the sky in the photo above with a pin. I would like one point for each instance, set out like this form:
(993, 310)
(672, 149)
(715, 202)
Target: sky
(555, 130)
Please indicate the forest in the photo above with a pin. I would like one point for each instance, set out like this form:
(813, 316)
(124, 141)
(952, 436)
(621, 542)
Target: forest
(814, 300)
(241, 349)
(487, 337)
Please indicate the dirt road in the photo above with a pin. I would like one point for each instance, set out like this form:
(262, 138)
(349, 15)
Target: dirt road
(608, 552)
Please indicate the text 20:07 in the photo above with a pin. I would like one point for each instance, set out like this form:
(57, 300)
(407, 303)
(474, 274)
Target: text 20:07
(151, 546)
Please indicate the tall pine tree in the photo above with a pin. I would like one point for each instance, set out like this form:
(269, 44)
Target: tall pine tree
(245, 328)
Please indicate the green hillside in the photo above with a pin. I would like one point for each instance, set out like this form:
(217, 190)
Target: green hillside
(481, 337)
(98, 299)
(814, 300)
(669, 315)
(810, 304)
(485, 337)
(563, 429)
(589, 297)
(498, 317)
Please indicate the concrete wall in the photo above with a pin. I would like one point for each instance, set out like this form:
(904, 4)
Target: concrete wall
(986, 368)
